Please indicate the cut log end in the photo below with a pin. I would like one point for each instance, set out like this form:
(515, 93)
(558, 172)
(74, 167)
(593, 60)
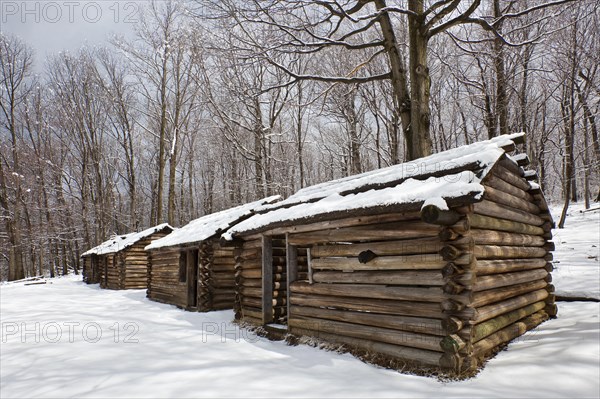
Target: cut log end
(448, 234)
(434, 215)
(450, 252)
(452, 324)
(452, 344)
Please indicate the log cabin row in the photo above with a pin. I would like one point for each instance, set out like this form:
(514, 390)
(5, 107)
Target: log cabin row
(190, 269)
(121, 262)
(437, 262)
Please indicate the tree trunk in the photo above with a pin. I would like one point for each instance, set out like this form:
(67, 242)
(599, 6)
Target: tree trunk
(569, 122)
(419, 142)
(501, 95)
(299, 137)
(586, 160)
(352, 126)
(258, 150)
(162, 135)
(399, 76)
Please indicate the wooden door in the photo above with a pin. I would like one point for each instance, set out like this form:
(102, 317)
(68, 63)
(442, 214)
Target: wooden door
(192, 278)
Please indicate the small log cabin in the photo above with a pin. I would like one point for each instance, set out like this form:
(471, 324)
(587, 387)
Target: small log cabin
(121, 262)
(436, 263)
(190, 269)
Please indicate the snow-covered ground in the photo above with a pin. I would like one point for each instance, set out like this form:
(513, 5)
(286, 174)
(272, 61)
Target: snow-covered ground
(577, 254)
(68, 339)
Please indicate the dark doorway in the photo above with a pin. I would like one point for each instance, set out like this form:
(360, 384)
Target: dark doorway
(192, 278)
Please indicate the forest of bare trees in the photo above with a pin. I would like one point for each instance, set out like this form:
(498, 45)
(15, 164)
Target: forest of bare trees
(216, 103)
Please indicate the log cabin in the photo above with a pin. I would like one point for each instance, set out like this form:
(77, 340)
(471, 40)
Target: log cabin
(436, 263)
(190, 269)
(121, 262)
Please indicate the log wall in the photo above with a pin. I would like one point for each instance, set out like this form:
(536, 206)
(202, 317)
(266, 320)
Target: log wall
(128, 268)
(248, 279)
(216, 281)
(214, 275)
(163, 280)
(110, 271)
(376, 286)
(508, 280)
(91, 271)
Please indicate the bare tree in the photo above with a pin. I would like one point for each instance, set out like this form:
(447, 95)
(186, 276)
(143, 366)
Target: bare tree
(15, 65)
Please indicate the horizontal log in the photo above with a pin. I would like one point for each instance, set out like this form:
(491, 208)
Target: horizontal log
(402, 247)
(511, 178)
(217, 269)
(401, 308)
(490, 311)
(250, 264)
(509, 333)
(402, 323)
(486, 267)
(251, 292)
(255, 313)
(226, 253)
(219, 281)
(223, 293)
(407, 262)
(223, 262)
(251, 302)
(487, 297)
(158, 297)
(489, 208)
(508, 252)
(504, 198)
(507, 279)
(380, 232)
(251, 273)
(491, 223)
(434, 215)
(495, 182)
(255, 283)
(410, 355)
(512, 166)
(432, 278)
(347, 222)
(493, 237)
(395, 337)
(431, 294)
(482, 330)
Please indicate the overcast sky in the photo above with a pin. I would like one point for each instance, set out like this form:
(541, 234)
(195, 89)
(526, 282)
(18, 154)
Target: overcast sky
(53, 26)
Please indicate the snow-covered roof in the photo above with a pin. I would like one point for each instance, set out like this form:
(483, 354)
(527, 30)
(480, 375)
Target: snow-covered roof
(118, 243)
(452, 174)
(210, 225)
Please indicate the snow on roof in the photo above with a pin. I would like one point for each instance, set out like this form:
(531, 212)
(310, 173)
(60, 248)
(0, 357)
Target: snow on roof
(210, 225)
(450, 174)
(118, 243)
